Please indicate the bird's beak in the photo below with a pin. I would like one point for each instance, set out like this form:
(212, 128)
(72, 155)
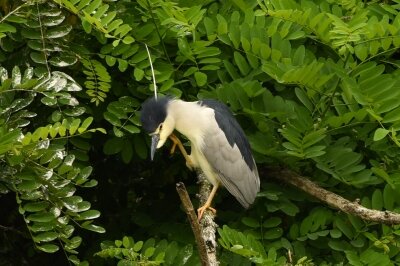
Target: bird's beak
(154, 141)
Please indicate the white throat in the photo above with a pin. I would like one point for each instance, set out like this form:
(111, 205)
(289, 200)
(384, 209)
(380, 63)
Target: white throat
(190, 119)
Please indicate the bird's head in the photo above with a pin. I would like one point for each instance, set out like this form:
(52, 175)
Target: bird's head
(156, 121)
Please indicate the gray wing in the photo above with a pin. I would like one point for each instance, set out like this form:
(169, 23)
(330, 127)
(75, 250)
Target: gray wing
(228, 152)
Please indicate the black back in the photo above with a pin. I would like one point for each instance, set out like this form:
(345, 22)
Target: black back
(154, 112)
(231, 128)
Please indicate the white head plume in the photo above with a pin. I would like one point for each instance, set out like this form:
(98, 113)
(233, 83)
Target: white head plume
(152, 72)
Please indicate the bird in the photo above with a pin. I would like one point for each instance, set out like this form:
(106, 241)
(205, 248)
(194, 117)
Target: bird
(219, 146)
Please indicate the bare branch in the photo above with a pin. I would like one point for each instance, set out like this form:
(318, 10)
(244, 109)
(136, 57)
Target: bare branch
(334, 200)
(208, 226)
(206, 235)
(188, 206)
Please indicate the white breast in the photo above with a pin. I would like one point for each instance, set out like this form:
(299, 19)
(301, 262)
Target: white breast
(193, 121)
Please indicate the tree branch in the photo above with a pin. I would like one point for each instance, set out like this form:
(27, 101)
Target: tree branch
(208, 226)
(188, 206)
(334, 200)
(205, 231)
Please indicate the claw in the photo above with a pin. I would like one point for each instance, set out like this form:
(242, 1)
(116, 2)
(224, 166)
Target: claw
(201, 210)
(177, 142)
(207, 205)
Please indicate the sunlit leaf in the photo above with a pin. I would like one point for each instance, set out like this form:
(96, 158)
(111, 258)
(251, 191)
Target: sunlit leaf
(49, 248)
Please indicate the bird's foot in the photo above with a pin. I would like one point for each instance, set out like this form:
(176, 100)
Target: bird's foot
(177, 142)
(202, 209)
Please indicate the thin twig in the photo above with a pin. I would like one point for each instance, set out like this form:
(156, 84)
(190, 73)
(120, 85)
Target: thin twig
(13, 11)
(150, 9)
(42, 36)
(334, 200)
(188, 206)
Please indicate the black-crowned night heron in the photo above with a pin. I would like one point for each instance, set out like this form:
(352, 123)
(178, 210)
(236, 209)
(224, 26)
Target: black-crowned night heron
(219, 146)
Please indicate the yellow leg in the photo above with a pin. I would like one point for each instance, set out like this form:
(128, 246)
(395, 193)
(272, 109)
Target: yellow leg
(207, 205)
(177, 142)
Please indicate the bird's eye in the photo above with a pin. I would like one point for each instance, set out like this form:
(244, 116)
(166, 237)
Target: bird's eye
(160, 127)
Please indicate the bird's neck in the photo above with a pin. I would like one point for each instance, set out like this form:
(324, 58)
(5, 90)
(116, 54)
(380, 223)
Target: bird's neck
(188, 117)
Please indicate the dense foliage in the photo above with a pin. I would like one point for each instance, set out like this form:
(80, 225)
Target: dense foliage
(315, 85)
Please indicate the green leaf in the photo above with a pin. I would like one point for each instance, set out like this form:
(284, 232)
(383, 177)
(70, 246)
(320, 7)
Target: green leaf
(36, 206)
(42, 227)
(273, 233)
(94, 228)
(113, 146)
(49, 248)
(361, 51)
(132, 129)
(201, 78)
(138, 246)
(353, 258)
(16, 76)
(392, 116)
(110, 60)
(118, 243)
(380, 133)
(113, 119)
(126, 242)
(372, 257)
(46, 237)
(344, 227)
(5, 27)
(41, 217)
(251, 222)
(58, 32)
(128, 40)
(139, 57)
(85, 124)
(138, 73)
(122, 65)
(377, 200)
(89, 215)
(302, 96)
(190, 71)
(49, 101)
(335, 233)
(83, 206)
(149, 252)
(9, 139)
(91, 183)
(241, 63)
(272, 222)
(222, 25)
(63, 60)
(388, 197)
(29, 185)
(74, 126)
(74, 243)
(166, 85)
(339, 245)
